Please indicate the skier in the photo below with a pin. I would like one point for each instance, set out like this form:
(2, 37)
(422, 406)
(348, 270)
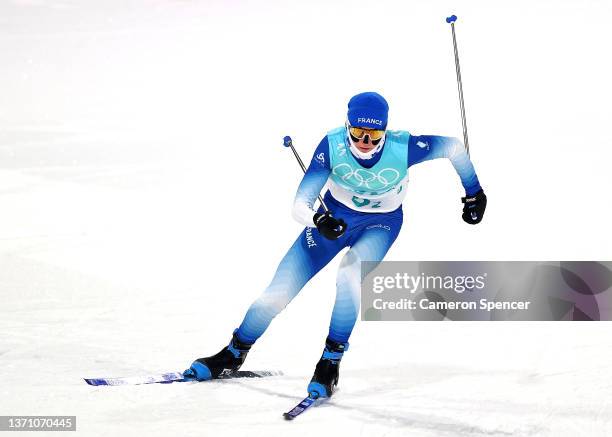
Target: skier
(366, 167)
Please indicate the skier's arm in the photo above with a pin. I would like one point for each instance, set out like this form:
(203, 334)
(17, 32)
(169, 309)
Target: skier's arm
(426, 147)
(313, 182)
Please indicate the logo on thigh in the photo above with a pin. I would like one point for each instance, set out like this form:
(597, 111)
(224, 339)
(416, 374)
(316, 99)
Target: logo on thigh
(379, 225)
(310, 241)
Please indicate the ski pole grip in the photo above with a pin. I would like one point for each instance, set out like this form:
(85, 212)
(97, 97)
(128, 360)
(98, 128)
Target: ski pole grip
(451, 19)
(287, 142)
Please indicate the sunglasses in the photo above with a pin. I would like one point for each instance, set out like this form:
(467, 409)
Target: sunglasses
(359, 132)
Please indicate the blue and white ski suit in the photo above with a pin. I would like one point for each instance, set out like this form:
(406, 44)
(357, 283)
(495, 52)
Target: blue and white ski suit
(367, 194)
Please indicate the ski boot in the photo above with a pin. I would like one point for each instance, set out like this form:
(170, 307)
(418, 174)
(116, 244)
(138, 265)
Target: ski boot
(325, 378)
(228, 360)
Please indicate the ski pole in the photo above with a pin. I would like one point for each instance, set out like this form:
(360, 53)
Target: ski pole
(451, 20)
(288, 142)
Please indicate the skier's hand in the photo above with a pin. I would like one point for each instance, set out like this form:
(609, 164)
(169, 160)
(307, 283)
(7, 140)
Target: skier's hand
(474, 207)
(330, 227)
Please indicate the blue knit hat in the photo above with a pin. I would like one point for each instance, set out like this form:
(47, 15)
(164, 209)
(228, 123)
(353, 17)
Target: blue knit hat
(369, 110)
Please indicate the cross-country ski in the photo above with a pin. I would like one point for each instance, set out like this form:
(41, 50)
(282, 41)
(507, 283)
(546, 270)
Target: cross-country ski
(176, 377)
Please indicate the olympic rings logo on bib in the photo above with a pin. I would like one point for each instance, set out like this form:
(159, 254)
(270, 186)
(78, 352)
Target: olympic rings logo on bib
(361, 177)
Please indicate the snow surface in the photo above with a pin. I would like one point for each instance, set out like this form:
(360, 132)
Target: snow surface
(124, 252)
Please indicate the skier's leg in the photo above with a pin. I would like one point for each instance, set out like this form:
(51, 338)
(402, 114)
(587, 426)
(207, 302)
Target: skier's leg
(303, 260)
(309, 254)
(371, 245)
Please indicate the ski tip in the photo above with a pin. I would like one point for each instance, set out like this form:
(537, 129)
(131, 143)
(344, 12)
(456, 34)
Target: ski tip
(94, 381)
(300, 408)
(451, 19)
